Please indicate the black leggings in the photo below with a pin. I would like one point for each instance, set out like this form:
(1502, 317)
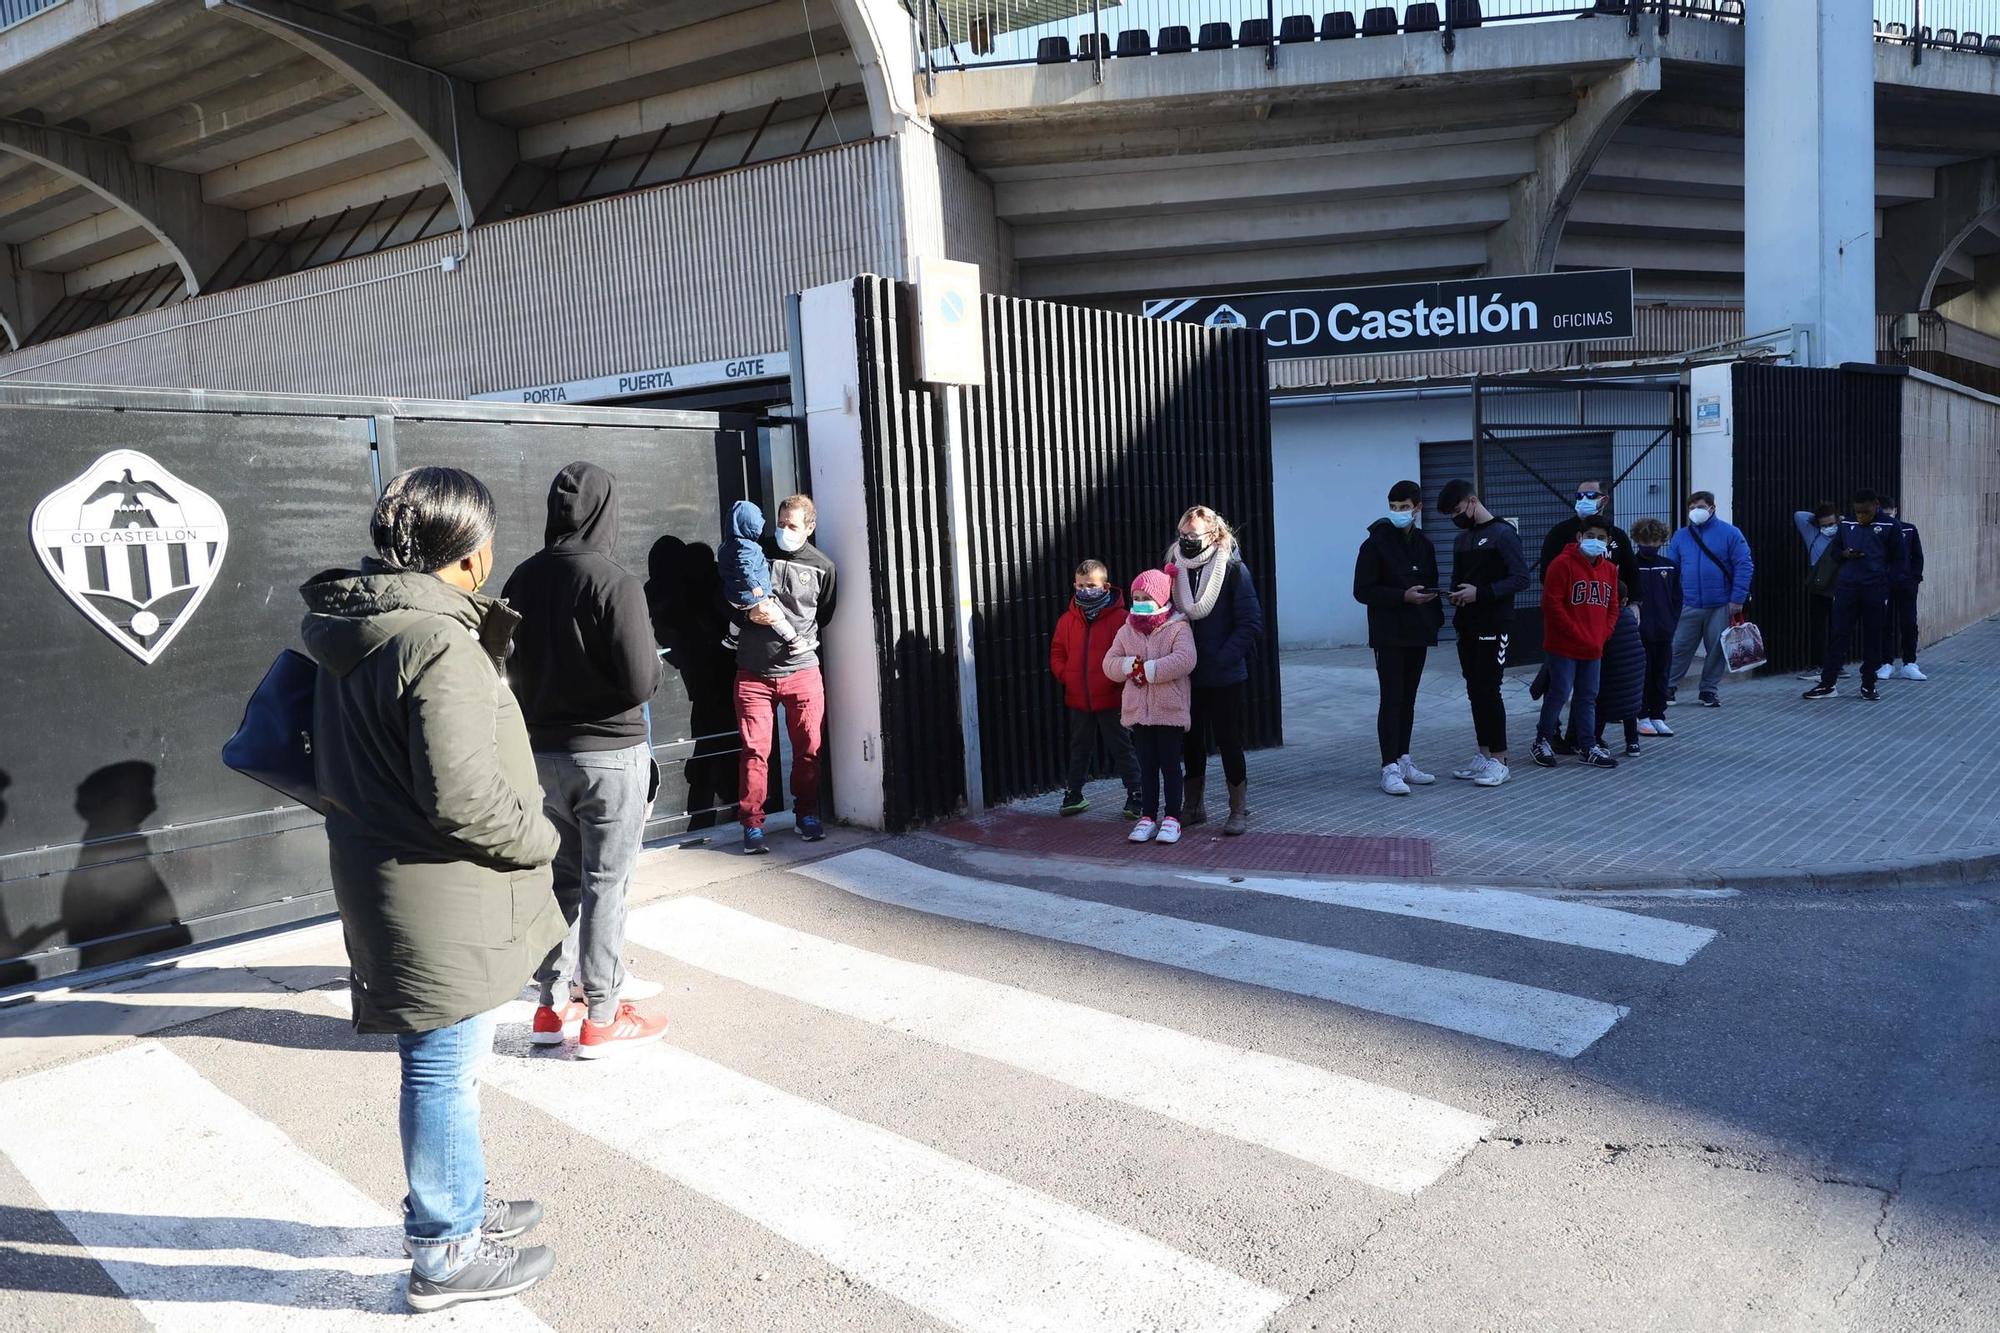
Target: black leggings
(1155, 747)
(1398, 671)
(1217, 714)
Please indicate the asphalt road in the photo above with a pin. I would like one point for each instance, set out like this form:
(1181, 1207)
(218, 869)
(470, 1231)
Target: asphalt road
(1057, 1096)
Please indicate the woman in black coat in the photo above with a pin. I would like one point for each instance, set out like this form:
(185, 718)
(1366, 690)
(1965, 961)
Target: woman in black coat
(1622, 683)
(1394, 574)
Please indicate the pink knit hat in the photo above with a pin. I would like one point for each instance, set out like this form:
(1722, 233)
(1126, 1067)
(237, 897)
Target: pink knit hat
(1153, 586)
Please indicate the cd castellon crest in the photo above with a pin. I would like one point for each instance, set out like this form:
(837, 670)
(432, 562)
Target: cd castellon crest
(133, 546)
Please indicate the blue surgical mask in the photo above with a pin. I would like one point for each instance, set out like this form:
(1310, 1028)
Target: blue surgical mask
(1402, 518)
(1142, 607)
(1593, 547)
(1828, 529)
(1585, 508)
(789, 540)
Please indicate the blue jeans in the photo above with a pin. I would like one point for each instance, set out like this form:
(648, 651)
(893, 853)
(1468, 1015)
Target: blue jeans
(442, 1156)
(1567, 674)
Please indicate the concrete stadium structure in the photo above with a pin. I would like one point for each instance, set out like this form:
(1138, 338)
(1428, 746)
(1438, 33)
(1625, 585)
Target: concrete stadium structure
(506, 196)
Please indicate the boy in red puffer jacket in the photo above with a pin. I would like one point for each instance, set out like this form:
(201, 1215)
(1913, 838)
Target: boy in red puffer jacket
(1095, 615)
(1579, 614)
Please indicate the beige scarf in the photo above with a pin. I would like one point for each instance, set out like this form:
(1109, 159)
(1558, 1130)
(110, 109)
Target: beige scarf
(1197, 597)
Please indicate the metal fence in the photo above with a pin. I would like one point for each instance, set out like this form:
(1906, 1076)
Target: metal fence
(19, 11)
(963, 34)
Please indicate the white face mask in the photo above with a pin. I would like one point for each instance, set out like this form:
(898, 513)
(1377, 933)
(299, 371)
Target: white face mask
(1402, 518)
(1828, 529)
(790, 540)
(1700, 514)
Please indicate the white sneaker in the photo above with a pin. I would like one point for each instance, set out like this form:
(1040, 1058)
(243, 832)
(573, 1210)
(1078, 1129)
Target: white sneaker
(1170, 830)
(1646, 727)
(1660, 727)
(1413, 775)
(1142, 831)
(1910, 672)
(1472, 769)
(1492, 775)
(1392, 781)
(1885, 671)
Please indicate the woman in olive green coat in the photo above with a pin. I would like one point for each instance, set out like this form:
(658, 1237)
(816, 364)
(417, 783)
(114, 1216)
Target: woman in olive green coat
(439, 851)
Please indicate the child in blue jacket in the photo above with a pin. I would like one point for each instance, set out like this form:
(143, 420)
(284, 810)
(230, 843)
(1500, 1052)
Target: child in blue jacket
(1904, 580)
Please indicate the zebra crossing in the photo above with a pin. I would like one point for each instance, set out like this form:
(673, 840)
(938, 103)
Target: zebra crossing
(207, 1215)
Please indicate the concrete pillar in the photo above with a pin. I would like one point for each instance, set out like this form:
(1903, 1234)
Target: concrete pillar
(1809, 176)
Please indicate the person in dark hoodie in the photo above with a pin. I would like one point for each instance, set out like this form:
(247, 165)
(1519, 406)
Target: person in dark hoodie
(1076, 656)
(1490, 572)
(1904, 581)
(438, 850)
(1396, 578)
(584, 668)
(1868, 546)
(1659, 615)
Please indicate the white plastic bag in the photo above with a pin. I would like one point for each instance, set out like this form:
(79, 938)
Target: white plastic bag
(1743, 645)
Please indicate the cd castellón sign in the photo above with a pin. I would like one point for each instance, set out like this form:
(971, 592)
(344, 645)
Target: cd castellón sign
(1421, 316)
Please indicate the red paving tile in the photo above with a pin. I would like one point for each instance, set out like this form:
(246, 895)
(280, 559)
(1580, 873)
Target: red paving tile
(1203, 847)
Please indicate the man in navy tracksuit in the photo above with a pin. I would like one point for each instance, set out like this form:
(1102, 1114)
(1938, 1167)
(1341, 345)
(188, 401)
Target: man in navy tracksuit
(1904, 580)
(1868, 546)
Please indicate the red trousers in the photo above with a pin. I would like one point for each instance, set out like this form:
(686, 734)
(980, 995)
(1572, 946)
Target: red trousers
(803, 695)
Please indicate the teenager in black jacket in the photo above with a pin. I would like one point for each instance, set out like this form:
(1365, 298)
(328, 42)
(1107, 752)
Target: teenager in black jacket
(1488, 572)
(1396, 578)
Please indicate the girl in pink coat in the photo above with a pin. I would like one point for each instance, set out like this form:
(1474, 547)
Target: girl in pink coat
(1153, 653)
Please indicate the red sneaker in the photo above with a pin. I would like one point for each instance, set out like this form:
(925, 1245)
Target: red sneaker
(628, 1027)
(550, 1023)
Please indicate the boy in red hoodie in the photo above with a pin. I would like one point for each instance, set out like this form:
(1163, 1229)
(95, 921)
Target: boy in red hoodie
(1095, 615)
(1579, 613)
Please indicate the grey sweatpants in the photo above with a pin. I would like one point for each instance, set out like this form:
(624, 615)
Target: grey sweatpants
(1704, 626)
(597, 801)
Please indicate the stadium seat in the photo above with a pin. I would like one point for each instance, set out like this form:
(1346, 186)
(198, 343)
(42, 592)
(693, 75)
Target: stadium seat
(1970, 41)
(1993, 44)
(1899, 31)
(1295, 28)
(1335, 26)
(1378, 22)
(1052, 51)
(1254, 32)
(1421, 17)
(1464, 13)
(1174, 40)
(1135, 42)
(1947, 36)
(1216, 37)
(1087, 45)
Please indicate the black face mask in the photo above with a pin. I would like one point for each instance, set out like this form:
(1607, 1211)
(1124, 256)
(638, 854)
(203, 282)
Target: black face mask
(1193, 546)
(1462, 520)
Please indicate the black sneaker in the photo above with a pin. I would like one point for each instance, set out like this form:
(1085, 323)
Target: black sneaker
(1562, 745)
(1598, 757)
(1632, 750)
(504, 1220)
(1710, 701)
(496, 1271)
(1073, 803)
(1544, 753)
(1820, 692)
(1134, 806)
(1671, 701)
(1868, 693)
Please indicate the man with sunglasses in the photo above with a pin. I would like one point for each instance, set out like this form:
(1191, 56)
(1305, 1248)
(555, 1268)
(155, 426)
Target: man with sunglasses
(1591, 501)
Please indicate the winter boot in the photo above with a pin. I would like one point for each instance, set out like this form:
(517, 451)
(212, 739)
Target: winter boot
(1192, 810)
(1239, 809)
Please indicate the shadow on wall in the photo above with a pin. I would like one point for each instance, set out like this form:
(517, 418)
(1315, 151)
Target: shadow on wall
(684, 596)
(115, 906)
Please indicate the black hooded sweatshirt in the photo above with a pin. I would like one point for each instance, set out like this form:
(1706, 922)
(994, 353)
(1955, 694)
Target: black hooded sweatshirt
(584, 660)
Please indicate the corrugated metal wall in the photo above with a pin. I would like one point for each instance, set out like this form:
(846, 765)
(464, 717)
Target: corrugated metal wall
(1093, 433)
(1802, 436)
(680, 274)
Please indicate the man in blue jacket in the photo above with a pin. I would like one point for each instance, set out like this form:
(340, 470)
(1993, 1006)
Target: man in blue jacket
(1904, 580)
(1715, 565)
(1869, 546)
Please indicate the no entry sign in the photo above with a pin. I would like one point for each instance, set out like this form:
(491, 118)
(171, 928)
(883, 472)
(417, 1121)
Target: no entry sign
(1421, 316)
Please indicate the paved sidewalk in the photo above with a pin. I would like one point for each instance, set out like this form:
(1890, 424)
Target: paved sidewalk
(1767, 788)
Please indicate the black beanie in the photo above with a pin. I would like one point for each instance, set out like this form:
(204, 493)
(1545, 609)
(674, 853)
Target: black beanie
(1453, 495)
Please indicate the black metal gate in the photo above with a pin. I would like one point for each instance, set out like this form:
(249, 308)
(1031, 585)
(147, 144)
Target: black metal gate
(1093, 433)
(1534, 439)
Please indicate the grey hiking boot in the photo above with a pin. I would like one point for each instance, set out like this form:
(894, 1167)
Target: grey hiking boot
(504, 1220)
(494, 1272)
(1193, 809)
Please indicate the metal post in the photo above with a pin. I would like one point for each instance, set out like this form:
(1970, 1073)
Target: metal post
(1917, 33)
(930, 63)
(1096, 41)
(1271, 34)
(959, 505)
(1450, 34)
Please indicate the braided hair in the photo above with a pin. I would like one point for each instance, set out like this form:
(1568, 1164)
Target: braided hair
(431, 517)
